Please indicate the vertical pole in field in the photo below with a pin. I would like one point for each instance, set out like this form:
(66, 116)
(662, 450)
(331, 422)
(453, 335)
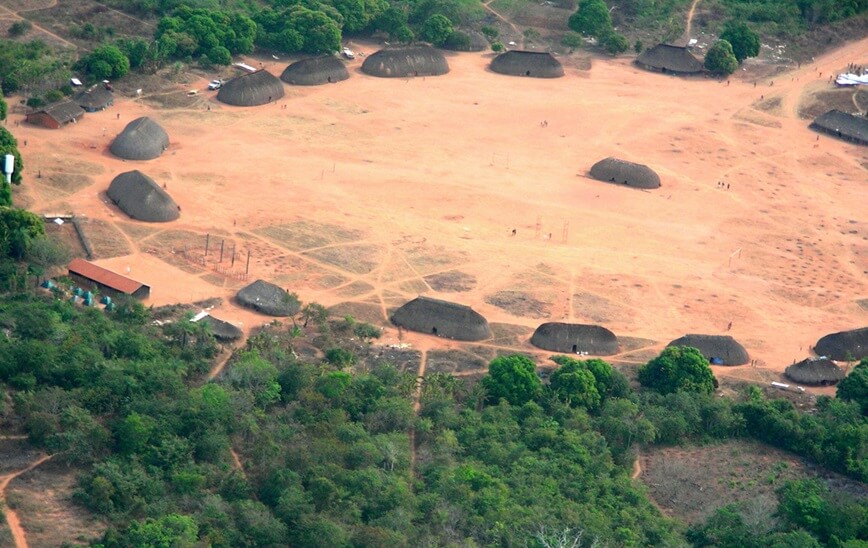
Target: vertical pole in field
(233, 255)
(207, 239)
(221, 250)
(247, 270)
(538, 224)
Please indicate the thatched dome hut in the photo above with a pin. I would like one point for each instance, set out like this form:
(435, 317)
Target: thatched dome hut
(717, 349)
(443, 319)
(402, 62)
(315, 71)
(250, 90)
(613, 170)
(142, 199)
(815, 371)
(844, 345)
(536, 64)
(222, 330)
(573, 338)
(466, 40)
(141, 139)
(269, 299)
(669, 59)
(849, 127)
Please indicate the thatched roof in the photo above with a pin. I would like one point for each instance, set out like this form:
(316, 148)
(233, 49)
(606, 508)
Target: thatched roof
(815, 371)
(222, 330)
(572, 338)
(63, 112)
(475, 41)
(142, 199)
(94, 99)
(142, 139)
(844, 345)
(716, 348)
(250, 90)
(401, 62)
(850, 127)
(315, 71)
(536, 64)
(669, 58)
(269, 299)
(613, 170)
(443, 319)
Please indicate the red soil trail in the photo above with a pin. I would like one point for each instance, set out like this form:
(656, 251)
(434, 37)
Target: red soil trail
(18, 533)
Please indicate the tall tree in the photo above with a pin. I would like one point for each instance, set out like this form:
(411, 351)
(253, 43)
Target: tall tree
(720, 59)
(512, 378)
(678, 369)
(744, 40)
(592, 18)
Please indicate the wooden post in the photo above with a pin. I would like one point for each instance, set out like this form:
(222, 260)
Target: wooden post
(221, 250)
(247, 270)
(207, 239)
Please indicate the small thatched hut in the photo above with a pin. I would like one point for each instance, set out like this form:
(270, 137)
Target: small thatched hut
(850, 127)
(536, 64)
(443, 319)
(315, 71)
(815, 371)
(574, 338)
(466, 40)
(142, 139)
(613, 170)
(250, 90)
(94, 99)
(669, 59)
(402, 62)
(718, 349)
(269, 299)
(222, 330)
(844, 345)
(142, 199)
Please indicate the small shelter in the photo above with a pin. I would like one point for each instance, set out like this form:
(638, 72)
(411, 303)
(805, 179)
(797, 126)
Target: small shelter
(56, 115)
(142, 199)
(443, 319)
(141, 139)
(849, 127)
(573, 338)
(613, 170)
(844, 345)
(94, 99)
(815, 371)
(222, 330)
(315, 71)
(251, 90)
(106, 281)
(669, 59)
(406, 61)
(717, 349)
(269, 299)
(536, 64)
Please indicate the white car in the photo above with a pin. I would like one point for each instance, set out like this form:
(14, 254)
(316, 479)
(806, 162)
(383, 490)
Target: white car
(215, 84)
(348, 53)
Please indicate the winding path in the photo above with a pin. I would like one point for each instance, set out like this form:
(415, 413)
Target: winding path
(18, 534)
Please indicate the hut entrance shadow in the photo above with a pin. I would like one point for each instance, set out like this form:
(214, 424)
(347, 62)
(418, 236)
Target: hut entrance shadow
(434, 330)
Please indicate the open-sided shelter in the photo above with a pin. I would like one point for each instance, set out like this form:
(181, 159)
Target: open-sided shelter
(94, 99)
(56, 115)
(717, 349)
(141, 139)
(815, 371)
(443, 319)
(406, 61)
(844, 345)
(669, 59)
(250, 90)
(849, 127)
(142, 199)
(269, 299)
(575, 338)
(536, 64)
(614, 170)
(106, 281)
(315, 71)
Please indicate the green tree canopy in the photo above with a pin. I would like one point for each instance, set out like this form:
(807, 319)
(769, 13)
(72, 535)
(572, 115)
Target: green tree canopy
(512, 378)
(17, 228)
(720, 59)
(436, 29)
(583, 383)
(615, 42)
(4, 108)
(678, 369)
(854, 387)
(106, 61)
(9, 145)
(592, 18)
(744, 40)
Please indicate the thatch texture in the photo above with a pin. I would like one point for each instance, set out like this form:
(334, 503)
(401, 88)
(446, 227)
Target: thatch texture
(443, 319)
(56, 115)
(573, 338)
(613, 170)
(670, 59)
(315, 71)
(250, 90)
(269, 299)
(222, 330)
(402, 62)
(475, 42)
(815, 371)
(94, 99)
(844, 345)
(142, 139)
(716, 348)
(850, 127)
(142, 199)
(536, 64)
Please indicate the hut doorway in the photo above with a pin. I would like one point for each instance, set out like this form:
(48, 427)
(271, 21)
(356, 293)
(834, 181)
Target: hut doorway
(575, 348)
(527, 73)
(434, 330)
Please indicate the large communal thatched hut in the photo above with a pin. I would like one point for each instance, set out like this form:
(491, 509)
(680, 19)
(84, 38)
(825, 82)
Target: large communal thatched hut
(844, 345)
(575, 338)
(613, 170)
(443, 319)
(315, 71)
(141, 139)
(142, 199)
(536, 64)
(402, 62)
(669, 59)
(815, 371)
(850, 127)
(718, 349)
(269, 299)
(250, 90)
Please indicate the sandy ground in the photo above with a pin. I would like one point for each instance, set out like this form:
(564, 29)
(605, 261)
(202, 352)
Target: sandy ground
(374, 191)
